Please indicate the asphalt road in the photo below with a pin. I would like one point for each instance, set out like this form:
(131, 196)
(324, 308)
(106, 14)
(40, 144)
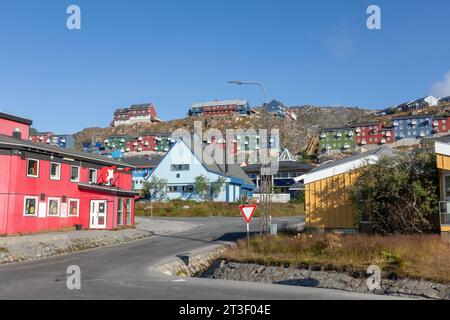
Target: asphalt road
(126, 272)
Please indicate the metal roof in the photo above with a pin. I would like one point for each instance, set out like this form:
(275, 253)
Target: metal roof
(144, 161)
(219, 103)
(10, 117)
(283, 166)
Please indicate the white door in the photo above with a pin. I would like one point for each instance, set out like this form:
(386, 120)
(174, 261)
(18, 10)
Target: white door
(98, 214)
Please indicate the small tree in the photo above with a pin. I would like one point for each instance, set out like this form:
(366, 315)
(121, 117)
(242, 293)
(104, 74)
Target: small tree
(201, 186)
(216, 187)
(398, 195)
(155, 189)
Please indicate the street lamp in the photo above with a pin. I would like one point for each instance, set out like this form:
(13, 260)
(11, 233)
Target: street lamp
(240, 83)
(264, 178)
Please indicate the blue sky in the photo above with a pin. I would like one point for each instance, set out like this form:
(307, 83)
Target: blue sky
(175, 53)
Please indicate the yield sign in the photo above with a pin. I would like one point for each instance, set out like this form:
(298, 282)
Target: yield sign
(247, 212)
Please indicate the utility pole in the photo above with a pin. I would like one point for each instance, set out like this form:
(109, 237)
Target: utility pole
(265, 174)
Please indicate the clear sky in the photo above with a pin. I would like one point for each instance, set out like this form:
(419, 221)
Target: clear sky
(177, 52)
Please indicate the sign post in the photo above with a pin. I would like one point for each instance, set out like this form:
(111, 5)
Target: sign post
(247, 212)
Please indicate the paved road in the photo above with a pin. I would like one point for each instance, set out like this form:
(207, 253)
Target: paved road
(126, 272)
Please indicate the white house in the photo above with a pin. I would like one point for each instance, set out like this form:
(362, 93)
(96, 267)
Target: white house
(180, 166)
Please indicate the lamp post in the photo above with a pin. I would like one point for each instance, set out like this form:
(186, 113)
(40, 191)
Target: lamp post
(240, 83)
(264, 178)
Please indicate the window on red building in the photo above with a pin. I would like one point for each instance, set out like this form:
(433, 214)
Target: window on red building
(74, 174)
(53, 207)
(33, 168)
(74, 207)
(30, 206)
(55, 171)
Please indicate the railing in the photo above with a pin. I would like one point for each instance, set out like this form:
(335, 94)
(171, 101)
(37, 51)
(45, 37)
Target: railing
(444, 213)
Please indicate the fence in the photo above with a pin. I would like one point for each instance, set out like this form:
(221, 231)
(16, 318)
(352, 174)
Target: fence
(275, 197)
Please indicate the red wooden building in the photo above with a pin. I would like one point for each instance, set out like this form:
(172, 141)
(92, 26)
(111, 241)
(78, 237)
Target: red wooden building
(441, 124)
(368, 133)
(47, 188)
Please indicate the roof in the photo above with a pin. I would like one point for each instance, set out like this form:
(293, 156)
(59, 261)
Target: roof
(144, 161)
(10, 142)
(442, 147)
(107, 189)
(282, 166)
(337, 128)
(141, 106)
(219, 103)
(365, 124)
(10, 117)
(413, 117)
(330, 169)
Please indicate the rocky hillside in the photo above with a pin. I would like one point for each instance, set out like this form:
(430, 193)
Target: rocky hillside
(298, 136)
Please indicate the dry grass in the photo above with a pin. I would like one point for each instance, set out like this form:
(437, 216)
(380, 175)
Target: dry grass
(413, 256)
(177, 208)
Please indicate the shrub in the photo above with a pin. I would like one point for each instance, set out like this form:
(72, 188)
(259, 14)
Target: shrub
(398, 195)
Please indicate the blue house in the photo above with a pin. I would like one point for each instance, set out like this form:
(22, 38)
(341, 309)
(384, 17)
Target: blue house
(143, 168)
(416, 127)
(180, 166)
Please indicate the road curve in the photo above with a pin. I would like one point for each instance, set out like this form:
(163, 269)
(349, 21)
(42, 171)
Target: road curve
(126, 272)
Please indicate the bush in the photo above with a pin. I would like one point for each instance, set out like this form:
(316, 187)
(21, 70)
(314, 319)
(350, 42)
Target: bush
(398, 195)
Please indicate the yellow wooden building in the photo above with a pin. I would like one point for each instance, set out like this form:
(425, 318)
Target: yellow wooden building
(443, 164)
(327, 202)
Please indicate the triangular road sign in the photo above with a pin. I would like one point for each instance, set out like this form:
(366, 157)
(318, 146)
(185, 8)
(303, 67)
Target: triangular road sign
(247, 212)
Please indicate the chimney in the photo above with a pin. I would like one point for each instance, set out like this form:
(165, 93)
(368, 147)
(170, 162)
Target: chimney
(17, 134)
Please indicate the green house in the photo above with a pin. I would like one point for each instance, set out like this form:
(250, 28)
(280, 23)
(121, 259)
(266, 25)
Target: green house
(337, 139)
(116, 143)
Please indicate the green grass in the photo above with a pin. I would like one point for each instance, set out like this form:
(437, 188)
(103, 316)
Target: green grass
(412, 256)
(179, 208)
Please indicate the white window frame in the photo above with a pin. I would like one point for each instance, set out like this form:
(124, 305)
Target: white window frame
(48, 207)
(59, 171)
(38, 167)
(79, 173)
(68, 207)
(89, 175)
(25, 206)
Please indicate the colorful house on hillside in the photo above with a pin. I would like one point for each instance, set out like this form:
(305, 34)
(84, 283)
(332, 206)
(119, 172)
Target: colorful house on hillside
(443, 165)
(372, 134)
(220, 108)
(137, 113)
(46, 188)
(327, 202)
(415, 127)
(180, 166)
(336, 139)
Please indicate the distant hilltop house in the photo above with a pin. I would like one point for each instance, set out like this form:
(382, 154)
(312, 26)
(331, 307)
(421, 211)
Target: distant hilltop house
(137, 113)
(444, 100)
(278, 109)
(421, 103)
(66, 141)
(220, 108)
